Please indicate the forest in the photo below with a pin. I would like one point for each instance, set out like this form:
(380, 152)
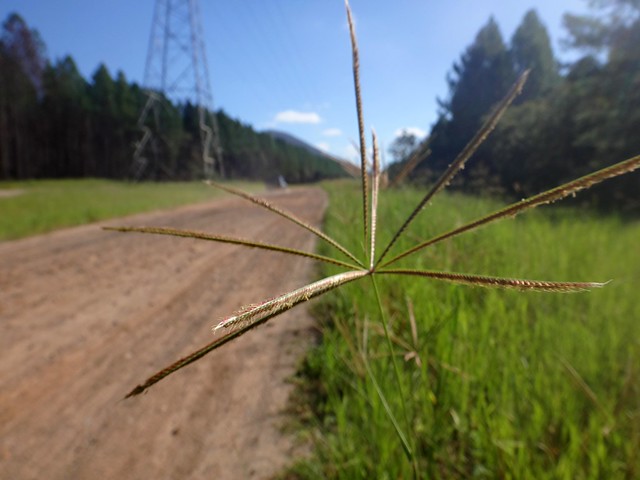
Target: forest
(56, 124)
(571, 118)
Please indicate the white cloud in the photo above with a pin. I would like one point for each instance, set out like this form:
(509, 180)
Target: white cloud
(293, 116)
(332, 132)
(417, 131)
(324, 146)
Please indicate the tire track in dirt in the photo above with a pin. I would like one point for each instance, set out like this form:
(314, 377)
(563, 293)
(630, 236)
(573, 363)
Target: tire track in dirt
(86, 315)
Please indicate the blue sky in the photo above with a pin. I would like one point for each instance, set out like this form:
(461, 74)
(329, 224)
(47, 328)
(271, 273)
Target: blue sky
(286, 64)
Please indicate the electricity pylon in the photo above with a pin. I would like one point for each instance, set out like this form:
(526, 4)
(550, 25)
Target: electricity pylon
(176, 68)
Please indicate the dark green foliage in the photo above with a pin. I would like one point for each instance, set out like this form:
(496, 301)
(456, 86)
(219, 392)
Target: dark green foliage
(531, 49)
(54, 124)
(479, 80)
(26, 47)
(561, 127)
(21, 64)
(609, 30)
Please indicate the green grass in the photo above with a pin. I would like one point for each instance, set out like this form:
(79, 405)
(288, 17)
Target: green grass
(499, 384)
(46, 205)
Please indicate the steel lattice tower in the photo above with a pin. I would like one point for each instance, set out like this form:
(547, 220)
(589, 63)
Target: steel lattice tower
(176, 68)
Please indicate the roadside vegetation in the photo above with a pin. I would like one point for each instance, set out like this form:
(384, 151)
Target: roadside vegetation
(417, 378)
(496, 383)
(39, 206)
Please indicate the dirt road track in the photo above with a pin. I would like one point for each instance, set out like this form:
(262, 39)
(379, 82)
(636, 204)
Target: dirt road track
(87, 314)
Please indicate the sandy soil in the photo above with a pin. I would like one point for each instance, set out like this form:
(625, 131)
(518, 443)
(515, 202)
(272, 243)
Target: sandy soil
(86, 314)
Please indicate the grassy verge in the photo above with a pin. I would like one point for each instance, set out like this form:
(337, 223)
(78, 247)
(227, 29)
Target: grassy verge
(45, 205)
(498, 384)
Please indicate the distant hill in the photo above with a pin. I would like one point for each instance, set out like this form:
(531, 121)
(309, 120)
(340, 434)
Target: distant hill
(294, 141)
(260, 156)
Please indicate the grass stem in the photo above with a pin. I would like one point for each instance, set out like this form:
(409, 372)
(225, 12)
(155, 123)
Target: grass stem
(403, 403)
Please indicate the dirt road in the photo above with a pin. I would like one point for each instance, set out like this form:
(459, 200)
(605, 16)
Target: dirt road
(86, 314)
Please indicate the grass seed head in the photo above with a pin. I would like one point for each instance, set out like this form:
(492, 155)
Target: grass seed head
(253, 315)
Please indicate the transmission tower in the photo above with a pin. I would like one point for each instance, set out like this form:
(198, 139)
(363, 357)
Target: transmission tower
(176, 69)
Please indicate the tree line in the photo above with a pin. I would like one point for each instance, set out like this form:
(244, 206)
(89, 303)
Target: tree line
(570, 119)
(54, 123)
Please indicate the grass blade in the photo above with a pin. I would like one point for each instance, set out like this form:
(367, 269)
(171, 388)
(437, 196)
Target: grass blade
(582, 384)
(549, 196)
(387, 408)
(250, 319)
(289, 216)
(363, 144)
(499, 282)
(398, 379)
(461, 159)
(174, 232)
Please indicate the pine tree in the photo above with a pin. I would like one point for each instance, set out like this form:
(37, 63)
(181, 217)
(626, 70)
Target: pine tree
(479, 80)
(22, 62)
(26, 47)
(531, 49)
(67, 149)
(102, 92)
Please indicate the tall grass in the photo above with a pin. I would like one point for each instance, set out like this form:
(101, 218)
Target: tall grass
(498, 384)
